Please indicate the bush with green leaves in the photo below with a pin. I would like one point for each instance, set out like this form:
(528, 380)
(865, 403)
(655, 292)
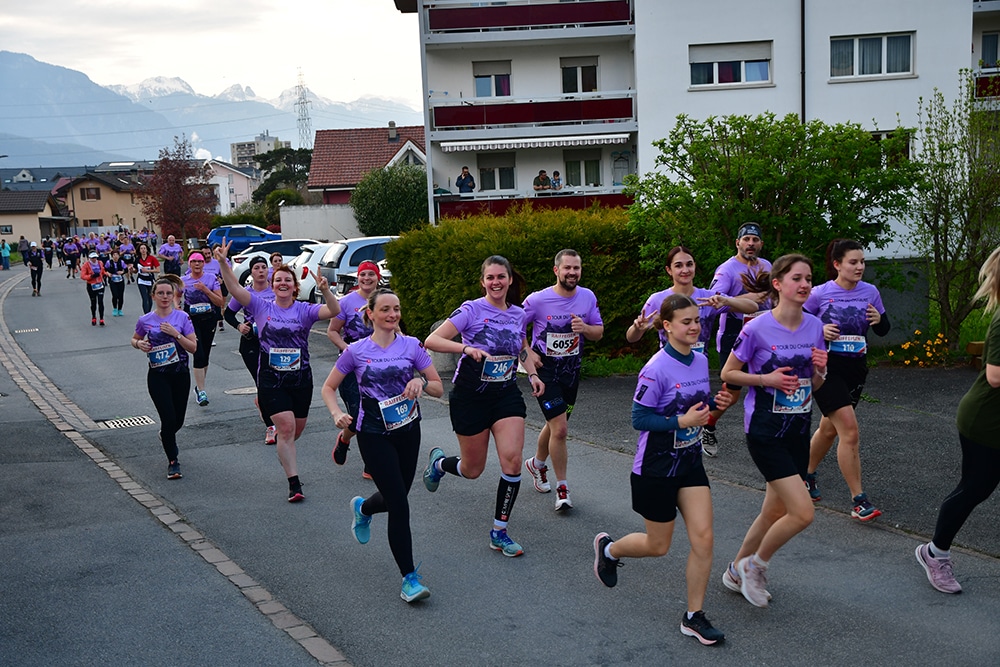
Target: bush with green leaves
(390, 201)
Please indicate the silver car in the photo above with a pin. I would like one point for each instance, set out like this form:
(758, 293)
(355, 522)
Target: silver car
(347, 255)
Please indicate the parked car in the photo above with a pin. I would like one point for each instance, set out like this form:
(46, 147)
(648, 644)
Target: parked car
(289, 249)
(241, 236)
(305, 266)
(346, 256)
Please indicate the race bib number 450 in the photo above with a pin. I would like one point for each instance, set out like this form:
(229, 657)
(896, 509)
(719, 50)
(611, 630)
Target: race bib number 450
(798, 402)
(499, 368)
(562, 344)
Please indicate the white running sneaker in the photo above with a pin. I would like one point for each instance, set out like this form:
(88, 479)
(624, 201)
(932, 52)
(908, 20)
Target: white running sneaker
(271, 435)
(538, 475)
(563, 502)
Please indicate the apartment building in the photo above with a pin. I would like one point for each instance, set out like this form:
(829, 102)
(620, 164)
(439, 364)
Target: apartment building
(243, 152)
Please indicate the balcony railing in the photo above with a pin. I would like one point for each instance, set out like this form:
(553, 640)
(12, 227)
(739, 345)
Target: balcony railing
(498, 204)
(479, 113)
(465, 17)
(988, 82)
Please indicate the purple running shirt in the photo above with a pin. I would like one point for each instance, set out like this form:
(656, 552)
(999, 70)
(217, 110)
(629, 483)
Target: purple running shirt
(550, 317)
(197, 302)
(833, 304)
(499, 333)
(167, 355)
(705, 314)
(284, 341)
(728, 280)
(352, 314)
(236, 306)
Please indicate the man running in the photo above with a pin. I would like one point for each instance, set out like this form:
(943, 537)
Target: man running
(170, 252)
(561, 317)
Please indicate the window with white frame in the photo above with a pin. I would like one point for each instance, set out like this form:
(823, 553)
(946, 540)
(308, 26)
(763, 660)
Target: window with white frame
(579, 75)
(871, 55)
(492, 78)
(496, 171)
(583, 167)
(729, 64)
(988, 57)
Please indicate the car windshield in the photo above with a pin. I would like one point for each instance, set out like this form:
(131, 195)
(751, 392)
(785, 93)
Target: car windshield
(333, 255)
(301, 260)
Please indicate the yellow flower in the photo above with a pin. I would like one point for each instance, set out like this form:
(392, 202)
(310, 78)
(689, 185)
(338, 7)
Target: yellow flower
(928, 353)
(917, 332)
(907, 362)
(906, 346)
(921, 364)
(940, 335)
(890, 353)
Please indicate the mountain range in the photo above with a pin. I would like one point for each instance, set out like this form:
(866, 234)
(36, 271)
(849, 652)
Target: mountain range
(54, 116)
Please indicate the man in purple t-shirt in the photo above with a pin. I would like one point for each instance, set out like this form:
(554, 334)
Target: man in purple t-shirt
(561, 318)
(170, 253)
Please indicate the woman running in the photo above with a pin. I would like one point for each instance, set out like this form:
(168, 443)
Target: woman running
(167, 336)
(979, 435)
(35, 259)
(485, 399)
(786, 357)
(93, 273)
(249, 339)
(202, 297)
(71, 253)
(284, 380)
(147, 267)
(351, 325)
(127, 250)
(670, 408)
(847, 306)
(117, 270)
(388, 425)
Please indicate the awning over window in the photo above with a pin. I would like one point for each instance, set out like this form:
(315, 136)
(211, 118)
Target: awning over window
(532, 142)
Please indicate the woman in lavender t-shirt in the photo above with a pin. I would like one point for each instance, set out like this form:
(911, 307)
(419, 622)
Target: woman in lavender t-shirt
(670, 408)
(786, 360)
(388, 424)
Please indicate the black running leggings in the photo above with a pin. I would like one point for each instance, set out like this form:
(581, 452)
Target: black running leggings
(391, 459)
(169, 391)
(96, 301)
(980, 476)
(117, 294)
(204, 328)
(36, 278)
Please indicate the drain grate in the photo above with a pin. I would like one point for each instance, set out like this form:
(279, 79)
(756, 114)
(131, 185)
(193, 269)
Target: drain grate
(126, 422)
(25, 331)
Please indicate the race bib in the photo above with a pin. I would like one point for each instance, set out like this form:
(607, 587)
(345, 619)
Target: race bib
(285, 359)
(145, 282)
(398, 411)
(800, 401)
(687, 437)
(499, 368)
(200, 308)
(117, 278)
(128, 257)
(849, 345)
(163, 355)
(699, 347)
(97, 287)
(562, 344)
(749, 316)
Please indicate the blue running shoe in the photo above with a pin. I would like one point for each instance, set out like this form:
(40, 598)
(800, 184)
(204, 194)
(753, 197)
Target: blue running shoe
(813, 487)
(500, 541)
(413, 590)
(201, 396)
(362, 525)
(432, 477)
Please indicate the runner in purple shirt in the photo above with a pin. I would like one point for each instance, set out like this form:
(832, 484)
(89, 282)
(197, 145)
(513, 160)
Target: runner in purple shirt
(561, 318)
(71, 251)
(284, 377)
(127, 250)
(670, 408)
(171, 253)
(388, 424)
(847, 306)
(681, 268)
(785, 356)
(167, 336)
(485, 399)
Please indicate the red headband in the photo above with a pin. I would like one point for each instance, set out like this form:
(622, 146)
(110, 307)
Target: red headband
(370, 266)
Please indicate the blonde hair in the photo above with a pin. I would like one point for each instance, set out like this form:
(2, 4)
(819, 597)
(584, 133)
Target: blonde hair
(989, 281)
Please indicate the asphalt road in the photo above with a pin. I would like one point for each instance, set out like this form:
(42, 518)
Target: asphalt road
(91, 575)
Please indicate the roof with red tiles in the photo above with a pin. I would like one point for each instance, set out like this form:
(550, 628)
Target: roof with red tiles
(342, 157)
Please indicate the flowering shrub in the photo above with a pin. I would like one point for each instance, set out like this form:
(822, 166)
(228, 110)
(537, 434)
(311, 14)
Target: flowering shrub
(926, 352)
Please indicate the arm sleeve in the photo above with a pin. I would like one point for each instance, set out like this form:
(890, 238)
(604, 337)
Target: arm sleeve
(230, 317)
(645, 419)
(883, 326)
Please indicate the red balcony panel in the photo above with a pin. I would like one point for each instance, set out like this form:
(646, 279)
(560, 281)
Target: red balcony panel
(530, 113)
(456, 208)
(517, 16)
(988, 86)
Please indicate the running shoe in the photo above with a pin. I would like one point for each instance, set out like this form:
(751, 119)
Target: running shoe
(201, 396)
(295, 493)
(753, 582)
(701, 629)
(413, 590)
(432, 476)
(731, 580)
(863, 509)
(102, 323)
(813, 487)
(340, 451)
(500, 541)
(605, 568)
(93, 321)
(563, 502)
(174, 470)
(709, 442)
(538, 475)
(938, 570)
(271, 435)
(362, 525)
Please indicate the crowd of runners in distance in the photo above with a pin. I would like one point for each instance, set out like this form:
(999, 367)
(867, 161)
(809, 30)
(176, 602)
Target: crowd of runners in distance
(782, 343)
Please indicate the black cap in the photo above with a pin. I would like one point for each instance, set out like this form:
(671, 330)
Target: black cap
(749, 229)
(257, 260)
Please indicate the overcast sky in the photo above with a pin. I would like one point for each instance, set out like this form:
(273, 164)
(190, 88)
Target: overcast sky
(345, 48)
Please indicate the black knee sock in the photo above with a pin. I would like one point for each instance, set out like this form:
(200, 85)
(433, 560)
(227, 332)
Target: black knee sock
(450, 465)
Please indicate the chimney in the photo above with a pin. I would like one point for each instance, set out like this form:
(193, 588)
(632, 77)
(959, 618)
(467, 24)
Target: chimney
(392, 131)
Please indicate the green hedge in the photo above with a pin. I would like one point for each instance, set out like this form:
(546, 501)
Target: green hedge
(434, 269)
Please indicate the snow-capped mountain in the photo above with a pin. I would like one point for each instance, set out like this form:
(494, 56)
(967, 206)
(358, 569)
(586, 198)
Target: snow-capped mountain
(157, 86)
(238, 93)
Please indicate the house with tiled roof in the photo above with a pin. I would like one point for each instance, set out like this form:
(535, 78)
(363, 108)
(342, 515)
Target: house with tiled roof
(32, 214)
(102, 202)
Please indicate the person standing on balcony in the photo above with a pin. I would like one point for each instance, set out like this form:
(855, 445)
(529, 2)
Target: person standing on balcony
(541, 181)
(561, 317)
(556, 181)
(465, 182)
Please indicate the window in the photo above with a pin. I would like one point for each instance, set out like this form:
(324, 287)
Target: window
(579, 75)
(93, 223)
(727, 64)
(492, 78)
(90, 194)
(872, 55)
(621, 166)
(989, 55)
(583, 167)
(496, 171)
(6, 229)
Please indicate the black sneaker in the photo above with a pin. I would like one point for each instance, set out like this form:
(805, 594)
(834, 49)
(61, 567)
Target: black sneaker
(174, 470)
(295, 493)
(340, 451)
(709, 442)
(605, 568)
(701, 629)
